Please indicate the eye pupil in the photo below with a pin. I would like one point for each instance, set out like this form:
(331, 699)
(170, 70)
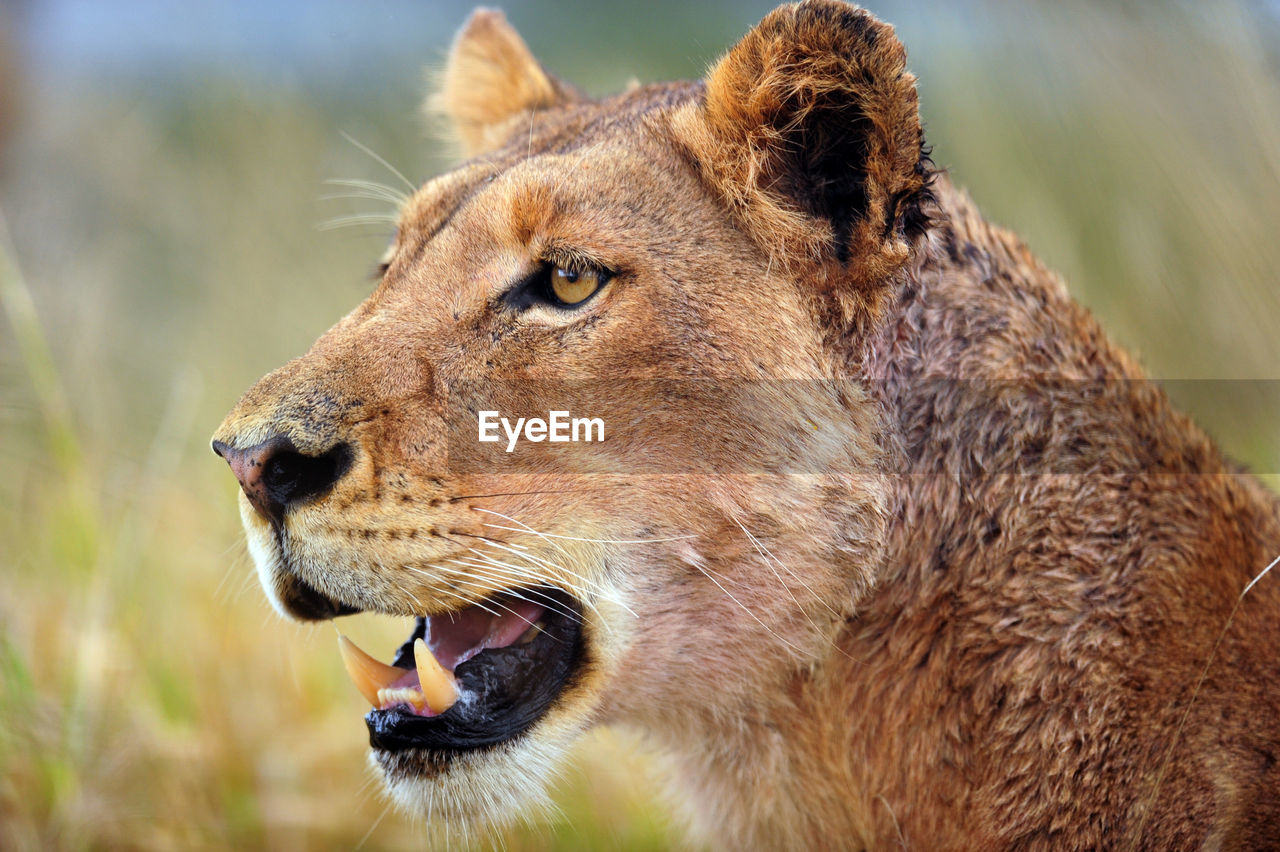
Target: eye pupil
(572, 287)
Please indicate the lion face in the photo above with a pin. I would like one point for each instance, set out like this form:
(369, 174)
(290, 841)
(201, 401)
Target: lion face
(639, 261)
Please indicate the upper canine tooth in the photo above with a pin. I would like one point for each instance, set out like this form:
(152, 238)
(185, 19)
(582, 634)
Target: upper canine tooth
(438, 684)
(366, 673)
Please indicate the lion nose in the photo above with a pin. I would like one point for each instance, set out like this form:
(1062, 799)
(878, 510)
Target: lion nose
(276, 477)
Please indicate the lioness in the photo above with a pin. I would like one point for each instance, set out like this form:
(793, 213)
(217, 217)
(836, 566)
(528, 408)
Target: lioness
(883, 541)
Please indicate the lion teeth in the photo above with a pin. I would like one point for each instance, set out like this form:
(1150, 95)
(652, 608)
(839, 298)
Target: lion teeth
(437, 682)
(370, 676)
(437, 688)
(401, 695)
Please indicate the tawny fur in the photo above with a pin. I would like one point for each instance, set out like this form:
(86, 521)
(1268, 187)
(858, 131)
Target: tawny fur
(490, 56)
(957, 586)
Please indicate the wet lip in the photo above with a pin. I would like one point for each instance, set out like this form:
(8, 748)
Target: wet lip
(510, 657)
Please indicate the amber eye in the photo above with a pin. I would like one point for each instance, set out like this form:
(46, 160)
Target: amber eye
(574, 286)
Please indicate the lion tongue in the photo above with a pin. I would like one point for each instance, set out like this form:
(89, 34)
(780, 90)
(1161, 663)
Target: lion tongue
(456, 637)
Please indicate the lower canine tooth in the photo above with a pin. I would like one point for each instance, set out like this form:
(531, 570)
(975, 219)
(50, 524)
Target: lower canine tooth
(438, 683)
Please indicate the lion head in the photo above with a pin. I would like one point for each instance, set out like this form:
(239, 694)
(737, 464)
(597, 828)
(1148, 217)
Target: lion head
(693, 265)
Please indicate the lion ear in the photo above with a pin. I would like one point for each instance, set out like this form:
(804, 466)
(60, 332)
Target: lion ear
(490, 77)
(810, 130)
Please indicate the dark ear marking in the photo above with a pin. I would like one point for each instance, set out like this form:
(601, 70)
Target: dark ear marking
(809, 129)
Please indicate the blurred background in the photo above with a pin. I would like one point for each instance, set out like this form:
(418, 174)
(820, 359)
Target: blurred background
(171, 233)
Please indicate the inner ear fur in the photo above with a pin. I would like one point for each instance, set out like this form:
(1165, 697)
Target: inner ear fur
(810, 131)
(491, 77)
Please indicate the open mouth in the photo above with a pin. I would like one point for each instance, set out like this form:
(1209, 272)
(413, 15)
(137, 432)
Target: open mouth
(472, 678)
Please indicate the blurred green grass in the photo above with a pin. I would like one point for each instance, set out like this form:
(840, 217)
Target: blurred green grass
(169, 242)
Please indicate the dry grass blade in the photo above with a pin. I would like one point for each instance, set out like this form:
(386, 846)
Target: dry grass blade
(16, 299)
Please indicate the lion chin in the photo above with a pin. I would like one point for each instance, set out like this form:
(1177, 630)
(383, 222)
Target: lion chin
(473, 794)
(713, 411)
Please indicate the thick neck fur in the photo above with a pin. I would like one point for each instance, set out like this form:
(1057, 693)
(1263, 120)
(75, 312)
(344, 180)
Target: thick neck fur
(1064, 550)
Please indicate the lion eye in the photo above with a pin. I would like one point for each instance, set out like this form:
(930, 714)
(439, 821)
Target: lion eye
(560, 287)
(574, 286)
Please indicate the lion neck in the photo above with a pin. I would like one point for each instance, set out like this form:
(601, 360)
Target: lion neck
(988, 375)
(975, 325)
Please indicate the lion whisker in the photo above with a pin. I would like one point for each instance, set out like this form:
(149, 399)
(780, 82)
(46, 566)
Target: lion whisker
(450, 592)
(902, 840)
(587, 585)
(579, 594)
(475, 578)
(350, 196)
(235, 567)
(710, 576)
(459, 497)
(526, 527)
(382, 566)
(544, 600)
(591, 540)
(473, 575)
(369, 189)
(358, 219)
(521, 573)
(599, 588)
(380, 160)
(768, 555)
(587, 582)
(377, 822)
(799, 607)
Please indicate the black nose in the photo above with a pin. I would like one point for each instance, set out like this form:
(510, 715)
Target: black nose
(276, 477)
